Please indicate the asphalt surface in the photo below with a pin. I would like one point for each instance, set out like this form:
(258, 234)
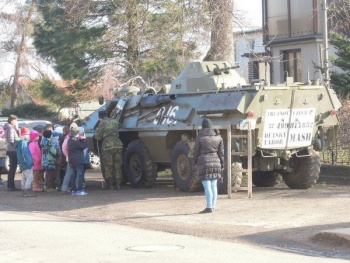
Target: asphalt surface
(43, 238)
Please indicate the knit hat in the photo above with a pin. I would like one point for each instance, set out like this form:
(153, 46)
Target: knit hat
(25, 131)
(33, 135)
(206, 123)
(73, 124)
(74, 131)
(102, 114)
(47, 134)
(59, 129)
(56, 134)
(39, 128)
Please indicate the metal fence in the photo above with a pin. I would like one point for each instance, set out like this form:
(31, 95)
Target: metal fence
(338, 156)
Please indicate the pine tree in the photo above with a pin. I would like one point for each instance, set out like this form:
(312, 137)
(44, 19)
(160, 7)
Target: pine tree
(341, 80)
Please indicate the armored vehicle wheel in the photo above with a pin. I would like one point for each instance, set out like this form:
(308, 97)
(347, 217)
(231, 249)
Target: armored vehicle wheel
(139, 168)
(305, 173)
(265, 178)
(183, 169)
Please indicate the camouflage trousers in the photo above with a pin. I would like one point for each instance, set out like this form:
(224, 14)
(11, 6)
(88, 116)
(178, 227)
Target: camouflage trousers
(111, 163)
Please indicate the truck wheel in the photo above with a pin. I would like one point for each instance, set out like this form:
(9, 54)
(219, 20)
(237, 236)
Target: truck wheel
(265, 178)
(139, 168)
(94, 161)
(183, 169)
(305, 172)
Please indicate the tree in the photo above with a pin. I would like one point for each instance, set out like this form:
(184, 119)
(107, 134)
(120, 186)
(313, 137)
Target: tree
(339, 20)
(18, 57)
(341, 81)
(16, 43)
(84, 37)
(221, 41)
(20, 54)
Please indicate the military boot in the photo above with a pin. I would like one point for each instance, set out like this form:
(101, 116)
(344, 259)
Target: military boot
(107, 185)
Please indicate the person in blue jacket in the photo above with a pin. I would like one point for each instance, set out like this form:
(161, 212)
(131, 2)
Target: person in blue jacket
(25, 162)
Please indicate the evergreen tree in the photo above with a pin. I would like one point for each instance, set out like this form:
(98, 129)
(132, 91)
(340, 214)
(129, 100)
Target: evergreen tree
(341, 81)
(151, 39)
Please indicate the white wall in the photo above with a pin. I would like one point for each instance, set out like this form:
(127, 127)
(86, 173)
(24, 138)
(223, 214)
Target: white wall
(310, 53)
(243, 45)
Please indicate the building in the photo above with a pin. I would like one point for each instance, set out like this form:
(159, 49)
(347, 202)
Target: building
(250, 55)
(294, 38)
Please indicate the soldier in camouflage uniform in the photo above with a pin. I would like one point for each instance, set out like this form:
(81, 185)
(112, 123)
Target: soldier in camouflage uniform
(107, 133)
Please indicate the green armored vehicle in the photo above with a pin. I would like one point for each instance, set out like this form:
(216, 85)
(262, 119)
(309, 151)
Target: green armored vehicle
(290, 123)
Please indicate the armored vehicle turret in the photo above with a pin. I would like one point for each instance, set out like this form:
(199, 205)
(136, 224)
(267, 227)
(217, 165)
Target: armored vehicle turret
(290, 123)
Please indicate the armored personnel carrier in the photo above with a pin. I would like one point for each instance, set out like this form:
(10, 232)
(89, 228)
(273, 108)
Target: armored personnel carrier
(290, 123)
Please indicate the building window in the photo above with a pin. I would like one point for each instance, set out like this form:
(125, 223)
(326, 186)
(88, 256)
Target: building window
(252, 45)
(292, 64)
(291, 18)
(253, 67)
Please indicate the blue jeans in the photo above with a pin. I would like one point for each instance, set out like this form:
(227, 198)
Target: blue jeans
(67, 178)
(211, 192)
(77, 178)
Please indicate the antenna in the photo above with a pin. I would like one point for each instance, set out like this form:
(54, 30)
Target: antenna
(308, 82)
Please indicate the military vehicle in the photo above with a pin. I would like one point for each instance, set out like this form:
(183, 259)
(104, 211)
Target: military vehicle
(290, 123)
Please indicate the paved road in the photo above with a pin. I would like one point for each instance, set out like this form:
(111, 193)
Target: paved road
(42, 238)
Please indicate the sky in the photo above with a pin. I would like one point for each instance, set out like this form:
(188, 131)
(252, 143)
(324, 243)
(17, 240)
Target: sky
(252, 9)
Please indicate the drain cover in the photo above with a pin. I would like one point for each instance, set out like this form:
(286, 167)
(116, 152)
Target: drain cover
(155, 248)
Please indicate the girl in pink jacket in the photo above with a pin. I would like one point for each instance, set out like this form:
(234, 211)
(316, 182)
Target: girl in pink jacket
(35, 150)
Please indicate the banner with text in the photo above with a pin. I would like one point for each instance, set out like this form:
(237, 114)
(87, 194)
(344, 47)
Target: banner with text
(300, 123)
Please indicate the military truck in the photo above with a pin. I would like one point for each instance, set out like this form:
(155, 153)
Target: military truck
(290, 123)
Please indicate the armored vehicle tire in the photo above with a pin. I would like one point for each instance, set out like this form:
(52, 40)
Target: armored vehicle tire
(183, 169)
(305, 173)
(139, 168)
(265, 178)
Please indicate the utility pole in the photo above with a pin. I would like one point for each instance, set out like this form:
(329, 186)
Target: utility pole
(326, 48)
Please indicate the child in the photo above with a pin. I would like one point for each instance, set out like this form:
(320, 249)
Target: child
(36, 156)
(25, 162)
(76, 147)
(50, 154)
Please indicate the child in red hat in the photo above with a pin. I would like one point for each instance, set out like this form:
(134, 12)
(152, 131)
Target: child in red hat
(25, 162)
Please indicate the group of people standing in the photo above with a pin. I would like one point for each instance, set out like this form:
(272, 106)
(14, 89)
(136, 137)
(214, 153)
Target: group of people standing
(54, 160)
(42, 155)
(46, 151)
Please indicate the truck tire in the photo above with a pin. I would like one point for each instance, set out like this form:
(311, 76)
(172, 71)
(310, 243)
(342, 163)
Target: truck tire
(265, 178)
(184, 170)
(305, 172)
(139, 168)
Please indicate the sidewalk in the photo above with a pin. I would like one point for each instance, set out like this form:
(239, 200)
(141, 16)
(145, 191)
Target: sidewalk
(42, 238)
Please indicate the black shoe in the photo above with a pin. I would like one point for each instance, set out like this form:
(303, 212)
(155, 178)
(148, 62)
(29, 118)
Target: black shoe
(207, 210)
(13, 189)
